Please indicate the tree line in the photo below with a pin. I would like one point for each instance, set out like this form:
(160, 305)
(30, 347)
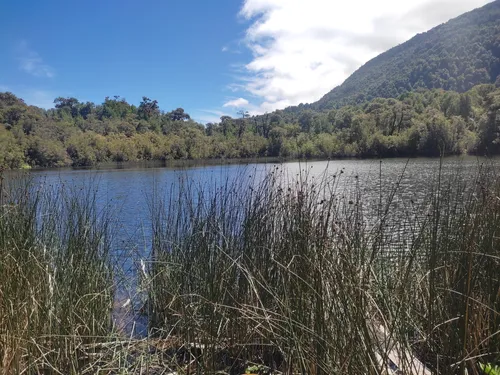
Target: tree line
(419, 123)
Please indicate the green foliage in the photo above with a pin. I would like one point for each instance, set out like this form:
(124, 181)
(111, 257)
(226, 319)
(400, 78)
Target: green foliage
(421, 123)
(178, 115)
(489, 126)
(489, 369)
(253, 369)
(11, 155)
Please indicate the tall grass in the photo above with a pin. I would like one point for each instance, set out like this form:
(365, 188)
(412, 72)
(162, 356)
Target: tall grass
(458, 309)
(297, 275)
(55, 284)
(265, 273)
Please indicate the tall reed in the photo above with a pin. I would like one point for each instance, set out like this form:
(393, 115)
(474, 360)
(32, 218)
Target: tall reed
(269, 272)
(300, 276)
(56, 285)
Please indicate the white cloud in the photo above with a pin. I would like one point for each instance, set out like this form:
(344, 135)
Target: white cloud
(303, 49)
(31, 62)
(237, 103)
(225, 49)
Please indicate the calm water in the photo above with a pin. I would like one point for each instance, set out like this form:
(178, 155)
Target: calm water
(129, 191)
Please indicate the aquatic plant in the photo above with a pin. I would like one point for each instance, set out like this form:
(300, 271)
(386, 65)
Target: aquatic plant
(298, 275)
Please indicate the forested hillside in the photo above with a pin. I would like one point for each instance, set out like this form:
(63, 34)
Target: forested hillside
(457, 55)
(425, 122)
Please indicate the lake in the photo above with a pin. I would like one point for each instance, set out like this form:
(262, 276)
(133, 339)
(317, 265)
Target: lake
(129, 191)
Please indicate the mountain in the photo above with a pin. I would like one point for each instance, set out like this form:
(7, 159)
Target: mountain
(456, 56)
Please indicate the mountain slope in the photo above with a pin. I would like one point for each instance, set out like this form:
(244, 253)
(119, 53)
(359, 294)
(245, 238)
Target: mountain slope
(454, 56)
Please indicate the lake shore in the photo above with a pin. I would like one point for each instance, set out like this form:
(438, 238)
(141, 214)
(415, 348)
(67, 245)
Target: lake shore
(299, 261)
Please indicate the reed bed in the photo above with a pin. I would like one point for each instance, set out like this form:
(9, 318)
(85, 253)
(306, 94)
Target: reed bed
(263, 273)
(297, 276)
(56, 287)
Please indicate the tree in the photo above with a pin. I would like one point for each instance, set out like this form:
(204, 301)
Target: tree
(343, 118)
(243, 113)
(11, 154)
(436, 139)
(226, 123)
(71, 105)
(422, 122)
(9, 99)
(277, 136)
(115, 108)
(12, 115)
(86, 109)
(148, 108)
(210, 129)
(241, 125)
(179, 115)
(275, 119)
(306, 121)
(489, 128)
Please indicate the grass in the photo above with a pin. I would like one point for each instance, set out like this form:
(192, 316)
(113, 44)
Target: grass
(258, 274)
(299, 276)
(56, 286)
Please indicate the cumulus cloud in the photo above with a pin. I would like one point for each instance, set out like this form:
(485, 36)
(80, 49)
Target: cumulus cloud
(31, 62)
(236, 103)
(303, 49)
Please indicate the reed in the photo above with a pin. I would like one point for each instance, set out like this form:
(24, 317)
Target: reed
(56, 284)
(300, 275)
(262, 273)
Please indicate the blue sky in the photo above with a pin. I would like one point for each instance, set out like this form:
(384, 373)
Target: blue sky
(167, 50)
(209, 57)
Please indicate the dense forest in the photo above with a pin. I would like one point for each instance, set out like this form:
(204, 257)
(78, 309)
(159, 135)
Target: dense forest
(457, 55)
(438, 93)
(423, 122)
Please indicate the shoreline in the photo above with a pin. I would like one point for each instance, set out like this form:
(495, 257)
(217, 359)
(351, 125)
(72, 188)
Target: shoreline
(196, 163)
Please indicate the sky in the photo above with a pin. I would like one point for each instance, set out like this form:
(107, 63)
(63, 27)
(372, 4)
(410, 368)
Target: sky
(211, 58)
